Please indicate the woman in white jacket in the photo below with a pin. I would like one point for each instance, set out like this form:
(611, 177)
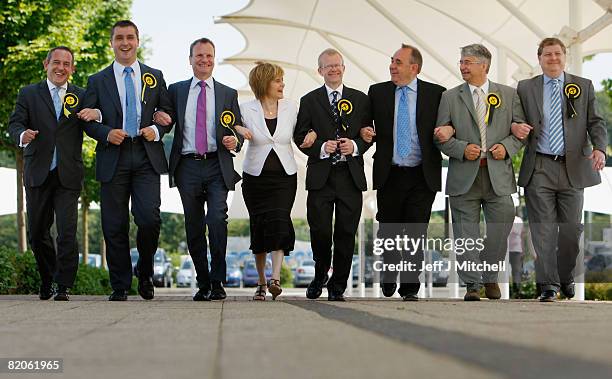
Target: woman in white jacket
(269, 172)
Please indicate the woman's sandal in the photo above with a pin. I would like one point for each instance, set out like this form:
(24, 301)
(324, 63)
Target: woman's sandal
(260, 292)
(274, 288)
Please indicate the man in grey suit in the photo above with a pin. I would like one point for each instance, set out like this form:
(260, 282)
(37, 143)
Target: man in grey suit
(565, 150)
(480, 170)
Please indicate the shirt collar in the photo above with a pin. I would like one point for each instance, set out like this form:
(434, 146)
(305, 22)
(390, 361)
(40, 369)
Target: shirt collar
(412, 85)
(209, 82)
(118, 67)
(548, 79)
(339, 90)
(51, 85)
(484, 87)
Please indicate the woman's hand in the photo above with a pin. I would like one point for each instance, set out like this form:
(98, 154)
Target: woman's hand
(244, 132)
(310, 138)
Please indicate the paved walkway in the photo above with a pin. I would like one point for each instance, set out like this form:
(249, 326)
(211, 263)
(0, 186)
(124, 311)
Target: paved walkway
(173, 337)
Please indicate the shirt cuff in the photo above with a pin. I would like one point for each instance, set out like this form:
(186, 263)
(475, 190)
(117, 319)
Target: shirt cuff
(355, 150)
(99, 120)
(21, 144)
(323, 154)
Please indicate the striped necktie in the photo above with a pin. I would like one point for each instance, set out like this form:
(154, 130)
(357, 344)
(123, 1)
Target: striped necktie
(556, 120)
(131, 113)
(481, 111)
(336, 156)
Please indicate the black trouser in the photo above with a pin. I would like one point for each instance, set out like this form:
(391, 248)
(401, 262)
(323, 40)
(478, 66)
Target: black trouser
(43, 203)
(134, 178)
(404, 208)
(340, 193)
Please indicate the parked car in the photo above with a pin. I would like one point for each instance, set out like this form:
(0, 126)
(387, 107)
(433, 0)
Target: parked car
(162, 269)
(249, 273)
(368, 270)
(134, 257)
(439, 275)
(93, 260)
(304, 273)
(183, 277)
(600, 261)
(233, 274)
(244, 256)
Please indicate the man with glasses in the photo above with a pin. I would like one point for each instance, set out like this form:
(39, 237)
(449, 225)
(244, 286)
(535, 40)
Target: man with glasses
(564, 154)
(480, 174)
(335, 176)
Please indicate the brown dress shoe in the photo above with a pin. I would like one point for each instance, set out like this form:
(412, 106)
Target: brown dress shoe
(472, 295)
(492, 291)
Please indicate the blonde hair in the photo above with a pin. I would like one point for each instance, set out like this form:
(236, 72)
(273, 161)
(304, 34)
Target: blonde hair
(262, 75)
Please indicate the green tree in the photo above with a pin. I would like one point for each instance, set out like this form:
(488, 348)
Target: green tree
(30, 28)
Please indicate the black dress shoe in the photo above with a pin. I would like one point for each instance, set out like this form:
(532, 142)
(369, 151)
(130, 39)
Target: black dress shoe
(315, 288)
(203, 294)
(61, 294)
(118, 295)
(388, 289)
(410, 297)
(217, 292)
(146, 290)
(45, 292)
(548, 296)
(335, 297)
(568, 290)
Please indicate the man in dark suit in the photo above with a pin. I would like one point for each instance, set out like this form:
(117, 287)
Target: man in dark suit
(564, 153)
(201, 164)
(129, 157)
(45, 125)
(335, 176)
(407, 164)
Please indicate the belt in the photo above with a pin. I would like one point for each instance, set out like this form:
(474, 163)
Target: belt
(131, 140)
(201, 157)
(557, 158)
(483, 162)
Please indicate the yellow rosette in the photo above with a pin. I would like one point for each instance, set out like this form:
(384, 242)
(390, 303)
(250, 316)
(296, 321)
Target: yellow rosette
(345, 107)
(148, 80)
(228, 120)
(494, 102)
(70, 102)
(572, 92)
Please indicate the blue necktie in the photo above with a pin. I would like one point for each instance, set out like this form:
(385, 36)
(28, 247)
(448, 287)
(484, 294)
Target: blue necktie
(131, 114)
(57, 104)
(403, 125)
(556, 120)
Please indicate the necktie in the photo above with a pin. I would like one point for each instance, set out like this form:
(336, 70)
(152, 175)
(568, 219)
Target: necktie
(556, 120)
(481, 111)
(201, 138)
(131, 114)
(335, 157)
(403, 124)
(57, 104)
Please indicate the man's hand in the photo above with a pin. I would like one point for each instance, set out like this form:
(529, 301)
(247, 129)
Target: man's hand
(28, 136)
(148, 133)
(230, 142)
(498, 151)
(598, 158)
(88, 114)
(309, 140)
(116, 136)
(472, 152)
(367, 134)
(346, 146)
(244, 132)
(162, 118)
(331, 146)
(521, 131)
(444, 133)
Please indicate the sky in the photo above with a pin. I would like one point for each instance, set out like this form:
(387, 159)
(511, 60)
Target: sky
(168, 42)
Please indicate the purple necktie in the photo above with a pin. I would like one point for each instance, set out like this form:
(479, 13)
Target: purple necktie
(201, 137)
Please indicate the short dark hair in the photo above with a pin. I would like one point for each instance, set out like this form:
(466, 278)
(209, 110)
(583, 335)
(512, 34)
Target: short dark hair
(200, 40)
(124, 24)
(550, 42)
(415, 55)
(65, 48)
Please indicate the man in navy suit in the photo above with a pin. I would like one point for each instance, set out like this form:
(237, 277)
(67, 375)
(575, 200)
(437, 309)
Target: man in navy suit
(201, 163)
(129, 156)
(335, 176)
(45, 125)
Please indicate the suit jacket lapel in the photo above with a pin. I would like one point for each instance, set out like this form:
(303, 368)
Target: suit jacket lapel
(324, 100)
(568, 79)
(538, 92)
(466, 96)
(219, 103)
(46, 96)
(111, 87)
(260, 123)
(421, 100)
(181, 101)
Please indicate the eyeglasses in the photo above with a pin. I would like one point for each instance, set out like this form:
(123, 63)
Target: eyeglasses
(467, 63)
(334, 66)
